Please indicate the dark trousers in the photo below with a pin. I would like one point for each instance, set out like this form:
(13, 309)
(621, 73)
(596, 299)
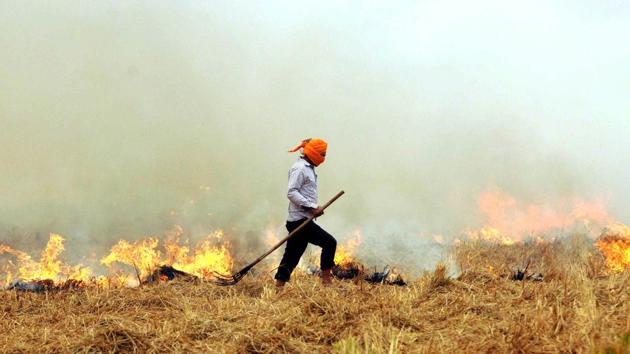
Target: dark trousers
(296, 245)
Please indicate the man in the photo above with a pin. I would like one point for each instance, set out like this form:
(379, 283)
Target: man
(302, 194)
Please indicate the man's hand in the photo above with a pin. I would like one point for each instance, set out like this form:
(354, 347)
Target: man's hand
(318, 211)
(315, 211)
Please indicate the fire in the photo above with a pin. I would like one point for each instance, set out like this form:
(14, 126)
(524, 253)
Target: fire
(509, 221)
(142, 255)
(49, 265)
(344, 254)
(614, 244)
(211, 255)
(207, 257)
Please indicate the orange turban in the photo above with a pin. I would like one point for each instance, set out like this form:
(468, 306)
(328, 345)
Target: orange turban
(314, 149)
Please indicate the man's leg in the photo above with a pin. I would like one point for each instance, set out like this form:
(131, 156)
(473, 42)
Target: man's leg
(293, 251)
(323, 239)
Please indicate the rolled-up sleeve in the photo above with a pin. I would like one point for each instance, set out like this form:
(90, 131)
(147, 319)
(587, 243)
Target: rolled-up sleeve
(296, 180)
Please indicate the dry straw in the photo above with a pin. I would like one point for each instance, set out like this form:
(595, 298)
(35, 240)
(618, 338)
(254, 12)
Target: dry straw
(578, 307)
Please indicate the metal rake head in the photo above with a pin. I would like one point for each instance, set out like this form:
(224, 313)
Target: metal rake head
(226, 280)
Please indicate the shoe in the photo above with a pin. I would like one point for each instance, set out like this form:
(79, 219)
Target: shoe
(327, 277)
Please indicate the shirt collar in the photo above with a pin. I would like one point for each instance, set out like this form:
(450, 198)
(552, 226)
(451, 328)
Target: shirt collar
(307, 163)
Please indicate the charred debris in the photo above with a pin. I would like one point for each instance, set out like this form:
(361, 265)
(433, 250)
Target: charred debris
(168, 273)
(45, 285)
(356, 271)
(521, 274)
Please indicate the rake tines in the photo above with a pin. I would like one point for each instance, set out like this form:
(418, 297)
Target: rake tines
(225, 280)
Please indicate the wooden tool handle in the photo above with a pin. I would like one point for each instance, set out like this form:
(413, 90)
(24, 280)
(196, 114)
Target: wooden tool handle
(277, 245)
(333, 200)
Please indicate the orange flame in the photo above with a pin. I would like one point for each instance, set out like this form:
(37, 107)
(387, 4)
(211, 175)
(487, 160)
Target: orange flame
(344, 254)
(614, 244)
(142, 255)
(207, 257)
(509, 221)
(48, 267)
(211, 255)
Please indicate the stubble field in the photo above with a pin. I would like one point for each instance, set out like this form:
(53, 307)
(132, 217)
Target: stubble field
(578, 307)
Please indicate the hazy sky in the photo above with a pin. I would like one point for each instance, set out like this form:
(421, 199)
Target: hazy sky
(120, 119)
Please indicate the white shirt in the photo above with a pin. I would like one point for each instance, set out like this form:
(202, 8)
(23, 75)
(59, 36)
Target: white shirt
(302, 190)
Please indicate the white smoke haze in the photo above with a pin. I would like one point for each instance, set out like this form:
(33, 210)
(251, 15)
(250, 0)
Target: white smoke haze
(122, 119)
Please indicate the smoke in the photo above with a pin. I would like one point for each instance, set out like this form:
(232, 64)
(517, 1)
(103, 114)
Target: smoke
(121, 119)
